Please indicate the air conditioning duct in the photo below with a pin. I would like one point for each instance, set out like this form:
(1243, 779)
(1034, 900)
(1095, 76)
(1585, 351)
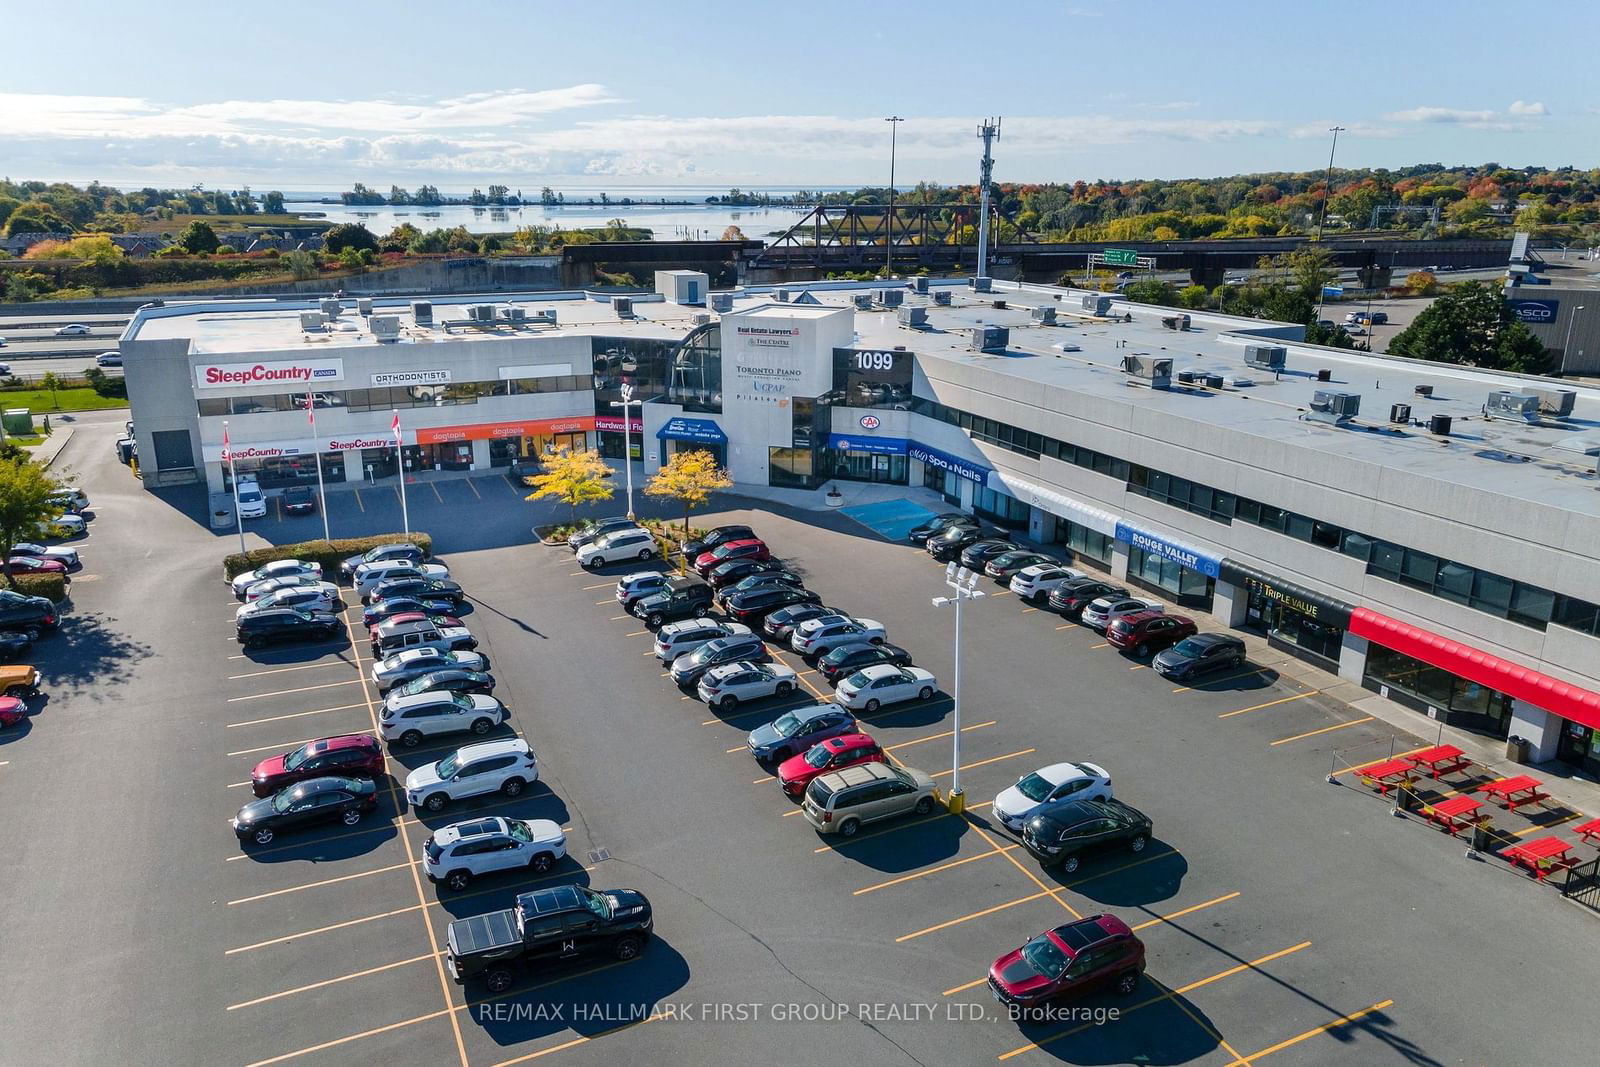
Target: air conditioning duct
(622, 306)
(310, 320)
(919, 285)
(1097, 305)
(1337, 408)
(941, 297)
(1424, 391)
(1044, 316)
(721, 302)
(1556, 402)
(1507, 405)
(422, 312)
(1266, 357)
(330, 309)
(1157, 373)
(914, 317)
(547, 317)
(862, 301)
(891, 298)
(364, 305)
(1175, 322)
(781, 295)
(384, 327)
(981, 285)
(990, 338)
(700, 318)
(1400, 414)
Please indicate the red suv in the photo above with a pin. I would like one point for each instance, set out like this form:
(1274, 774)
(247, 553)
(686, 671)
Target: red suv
(825, 757)
(346, 756)
(1080, 957)
(751, 548)
(1149, 631)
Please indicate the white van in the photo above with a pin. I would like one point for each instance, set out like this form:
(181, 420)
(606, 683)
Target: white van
(252, 504)
(369, 575)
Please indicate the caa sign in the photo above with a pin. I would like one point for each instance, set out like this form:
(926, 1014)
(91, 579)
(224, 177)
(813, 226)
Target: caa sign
(1535, 311)
(300, 373)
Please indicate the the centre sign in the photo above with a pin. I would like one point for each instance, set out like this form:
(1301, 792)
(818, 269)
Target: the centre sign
(295, 373)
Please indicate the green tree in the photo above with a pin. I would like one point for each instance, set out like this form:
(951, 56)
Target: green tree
(1517, 349)
(398, 195)
(1459, 327)
(348, 235)
(51, 383)
(399, 239)
(272, 203)
(302, 265)
(198, 237)
(573, 478)
(1152, 291)
(1192, 297)
(690, 477)
(25, 503)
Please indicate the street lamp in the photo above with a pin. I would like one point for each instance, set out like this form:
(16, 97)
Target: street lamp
(894, 122)
(1327, 191)
(626, 402)
(1566, 345)
(961, 582)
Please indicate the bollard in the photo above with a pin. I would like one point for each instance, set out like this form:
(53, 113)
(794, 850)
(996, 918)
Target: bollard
(957, 803)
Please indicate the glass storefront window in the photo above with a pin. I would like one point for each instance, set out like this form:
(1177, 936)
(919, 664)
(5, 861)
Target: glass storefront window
(868, 467)
(1003, 508)
(1084, 541)
(791, 468)
(1465, 703)
(1190, 588)
(502, 451)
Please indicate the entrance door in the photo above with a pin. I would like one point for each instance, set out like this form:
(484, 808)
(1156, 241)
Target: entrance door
(1574, 743)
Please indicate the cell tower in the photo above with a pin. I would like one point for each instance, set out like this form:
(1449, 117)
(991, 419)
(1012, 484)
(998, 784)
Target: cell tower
(988, 132)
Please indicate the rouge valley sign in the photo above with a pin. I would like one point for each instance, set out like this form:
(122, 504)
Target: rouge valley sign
(294, 373)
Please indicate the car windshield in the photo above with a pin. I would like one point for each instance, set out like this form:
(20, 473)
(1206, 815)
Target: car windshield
(1189, 647)
(1045, 957)
(818, 756)
(519, 830)
(447, 767)
(283, 800)
(413, 687)
(297, 757)
(858, 680)
(462, 702)
(787, 724)
(596, 903)
(1034, 787)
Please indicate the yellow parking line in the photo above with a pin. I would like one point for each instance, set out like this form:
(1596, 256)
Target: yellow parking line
(1009, 858)
(1137, 667)
(329, 981)
(325, 881)
(231, 785)
(1066, 626)
(602, 585)
(935, 737)
(1001, 592)
(359, 504)
(1547, 825)
(768, 778)
(607, 600)
(741, 748)
(1230, 677)
(1309, 1034)
(1324, 730)
(287, 692)
(638, 633)
(1142, 926)
(1102, 644)
(1168, 995)
(986, 762)
(295, 715)
(1026, 610)
(932, 870)
(1270, 704)
(286, 670)
(474, 489)
(615, 618)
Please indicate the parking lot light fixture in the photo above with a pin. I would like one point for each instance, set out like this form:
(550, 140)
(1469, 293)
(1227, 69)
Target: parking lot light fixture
(962, 583)
(625, 403)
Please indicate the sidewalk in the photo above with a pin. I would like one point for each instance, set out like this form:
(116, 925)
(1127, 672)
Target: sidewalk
(51, 447)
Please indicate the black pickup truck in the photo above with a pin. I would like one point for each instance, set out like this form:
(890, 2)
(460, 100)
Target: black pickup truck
(559, 923)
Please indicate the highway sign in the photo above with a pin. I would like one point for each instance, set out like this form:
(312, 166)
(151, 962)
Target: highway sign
(1333, 290)
(1121, 257)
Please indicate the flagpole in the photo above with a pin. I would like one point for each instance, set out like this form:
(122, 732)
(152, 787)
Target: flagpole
(316, 454)
(227, 448)
(400, 461)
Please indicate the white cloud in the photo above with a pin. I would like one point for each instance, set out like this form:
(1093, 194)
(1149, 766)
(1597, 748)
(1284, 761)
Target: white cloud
(1534, 108)
(1512, 118)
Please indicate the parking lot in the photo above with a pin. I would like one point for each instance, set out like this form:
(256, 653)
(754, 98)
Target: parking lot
(1286, 919)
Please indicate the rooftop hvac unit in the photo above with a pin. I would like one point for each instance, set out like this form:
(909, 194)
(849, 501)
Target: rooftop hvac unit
(1557, 402)
(364, 305)
(385, 327)
(914, 317)
(941, 297)
(862, 301)
(721, 302)
(481, 312)
(1325, 375)
(311, 320)
(1338, 408)
(919, 285)
(781, 295)
(700, 318)
(512, 314)
(1044, 316)
(1156, 372)
(547, 317)
(1266, 357)
(1175, 322)
(1508, 405)
(422, 312)
(1424, 391)
(990, 338)
(330, 308)
(1211, 381)
(622, 306)
(1097, 305)
(981, 285)
(1191, 376)
(891, 298)
(1400, 413)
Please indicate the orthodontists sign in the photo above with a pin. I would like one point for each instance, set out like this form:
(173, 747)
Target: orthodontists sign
(280, 377)
(412, 377)
(1178, 552)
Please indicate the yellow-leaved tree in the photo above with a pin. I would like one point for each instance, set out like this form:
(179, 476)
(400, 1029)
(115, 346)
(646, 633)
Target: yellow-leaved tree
(690, 477)
(573, 478)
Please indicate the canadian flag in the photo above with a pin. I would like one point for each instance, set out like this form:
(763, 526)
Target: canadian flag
(311, 413)
(226, 448)
(395, 426)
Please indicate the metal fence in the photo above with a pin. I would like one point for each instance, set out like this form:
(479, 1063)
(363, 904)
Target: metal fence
(1583, 884)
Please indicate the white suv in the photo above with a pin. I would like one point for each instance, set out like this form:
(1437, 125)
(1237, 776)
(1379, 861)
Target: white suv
(620, 544)
(456, 854)
(724, 686)
(1035, 583)
(368, 575)
(252, 502)
(507, 767)
(408, 719)
(815, 637)
(681, 638)
(1099, 615)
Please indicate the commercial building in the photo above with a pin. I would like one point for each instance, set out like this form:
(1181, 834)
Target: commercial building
(1426, 531)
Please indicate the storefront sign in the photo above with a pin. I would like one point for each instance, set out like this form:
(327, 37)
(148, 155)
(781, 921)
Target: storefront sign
(703, 431)
(878, 446)
(280, 449)
(1179, 553)
(412, 377)
(497, 431)
(537, 370)
(961, 468)
(299, 372)
(870, 422)
(1326, 610)
(770, 354)
(613, 424)
(1534, 312)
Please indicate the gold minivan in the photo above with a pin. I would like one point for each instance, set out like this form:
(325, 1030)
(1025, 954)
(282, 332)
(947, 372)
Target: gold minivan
(842, 802)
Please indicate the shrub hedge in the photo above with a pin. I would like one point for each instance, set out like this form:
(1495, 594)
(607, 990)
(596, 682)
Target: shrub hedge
(53, 586)
(328, 553)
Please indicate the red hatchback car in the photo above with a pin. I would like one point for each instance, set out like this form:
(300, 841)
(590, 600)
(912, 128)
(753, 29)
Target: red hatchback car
(1147, 632)
(12, 711)
(751, 548)
(1085, 956)
(836, 753)
(346, 756)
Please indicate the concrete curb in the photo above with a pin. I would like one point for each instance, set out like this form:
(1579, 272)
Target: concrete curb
(46, 453)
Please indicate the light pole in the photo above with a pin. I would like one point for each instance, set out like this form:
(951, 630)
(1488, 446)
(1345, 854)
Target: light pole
(625, 403)
(1322, 213)
(961, 582)
(1566, 345)
(894, 122)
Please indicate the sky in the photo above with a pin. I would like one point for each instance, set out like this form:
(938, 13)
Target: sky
(296, 95)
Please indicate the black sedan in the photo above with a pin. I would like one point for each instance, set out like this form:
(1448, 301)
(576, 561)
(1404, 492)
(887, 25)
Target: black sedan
(977, 555)
(1070, 598)
(280, 625)
(1060, 833)
(954, 541)
(450, 680)
(751, 607)
(781, 623)
(421, 588)
(299, 500)
(345, 800)
(737, 570)
(938, 525)
(377, 611)
(1199, 654)
(764, 580)
(718, 536)
(14, 643)
(845, 660)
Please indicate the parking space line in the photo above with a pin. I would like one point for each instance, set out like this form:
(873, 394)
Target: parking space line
(1270, 703)
(935, 737)
(231, 785)
(1167, 995)
(618, 618)
(288, 692)
(1067, 626)
(607, 600)
(325, 881)
(285, 670)
(931, 870)
(1009, 858)
(435, 487)
(282, 747)
(602, 585)
(637, 633)
(1102, 644)
(758, 781)
(1138, 667)
(293, 715)
(1324, 730)
(359, 504)
(890, 830)
(474, 488)
(1026, 610)
(1342, 1020)
(328, 982)
(1232, 677)
(986, 762)
(582, 1040)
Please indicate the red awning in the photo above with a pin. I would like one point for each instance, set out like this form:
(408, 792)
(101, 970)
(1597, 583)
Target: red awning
(1567, 700)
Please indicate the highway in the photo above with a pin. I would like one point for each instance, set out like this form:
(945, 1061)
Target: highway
(31, 346)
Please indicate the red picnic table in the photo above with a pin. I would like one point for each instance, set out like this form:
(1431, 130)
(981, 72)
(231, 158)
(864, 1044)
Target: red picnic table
(1542, 856)
(1457, 813)
(1388, 774)
(1441, 759)
(1515, 792)
(1589, 831)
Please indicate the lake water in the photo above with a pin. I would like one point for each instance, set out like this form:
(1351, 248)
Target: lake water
(695, 220)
